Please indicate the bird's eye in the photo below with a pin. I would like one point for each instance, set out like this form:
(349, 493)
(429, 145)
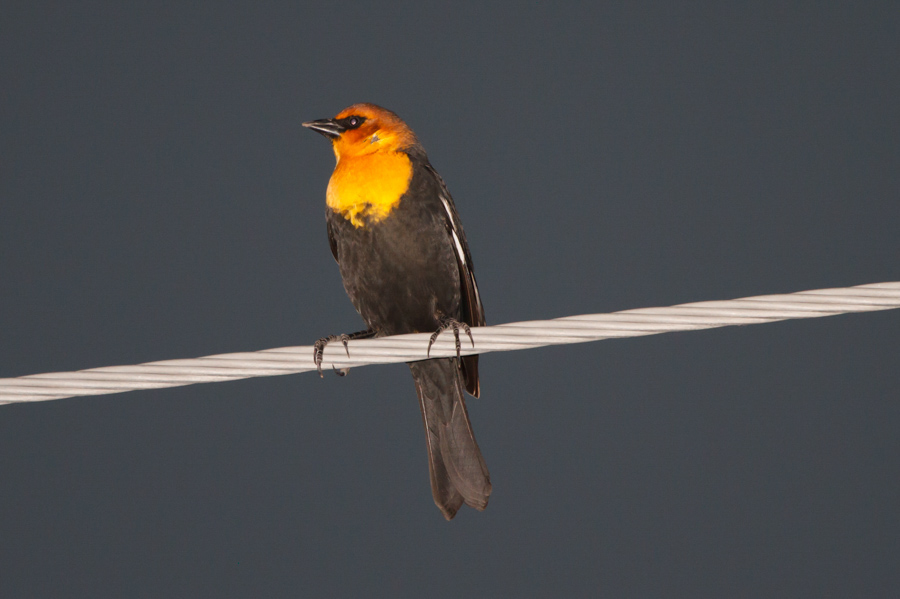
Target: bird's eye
(351, 122)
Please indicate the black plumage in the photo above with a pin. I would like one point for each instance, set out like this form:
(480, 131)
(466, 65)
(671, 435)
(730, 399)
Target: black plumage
(412, 272)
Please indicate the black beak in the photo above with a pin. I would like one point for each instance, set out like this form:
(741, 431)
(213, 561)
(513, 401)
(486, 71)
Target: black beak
(327, 127)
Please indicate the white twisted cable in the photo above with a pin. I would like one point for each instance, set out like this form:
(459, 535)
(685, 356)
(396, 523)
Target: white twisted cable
(407, 348)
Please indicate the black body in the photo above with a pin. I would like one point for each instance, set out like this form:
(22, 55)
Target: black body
(404, 274)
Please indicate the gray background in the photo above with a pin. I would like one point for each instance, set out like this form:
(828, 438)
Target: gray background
(159, 199)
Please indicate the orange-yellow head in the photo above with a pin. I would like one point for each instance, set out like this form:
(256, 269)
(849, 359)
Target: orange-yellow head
(373, 169)
(365, 129)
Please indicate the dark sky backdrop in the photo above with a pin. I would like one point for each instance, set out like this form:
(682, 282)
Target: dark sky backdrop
(159, 199)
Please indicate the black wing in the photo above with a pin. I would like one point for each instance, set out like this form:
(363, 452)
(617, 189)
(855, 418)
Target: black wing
(472, 311)
(331, 240)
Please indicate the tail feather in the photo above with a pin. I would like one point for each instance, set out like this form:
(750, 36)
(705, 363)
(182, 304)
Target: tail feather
(458, 471)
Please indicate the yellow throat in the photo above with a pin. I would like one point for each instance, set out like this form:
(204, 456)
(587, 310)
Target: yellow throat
(365, 188)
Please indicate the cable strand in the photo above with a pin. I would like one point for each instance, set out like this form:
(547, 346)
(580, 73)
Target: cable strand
(408, 348)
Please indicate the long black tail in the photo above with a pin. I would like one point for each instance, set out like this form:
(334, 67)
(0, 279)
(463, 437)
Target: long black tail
(458, 471)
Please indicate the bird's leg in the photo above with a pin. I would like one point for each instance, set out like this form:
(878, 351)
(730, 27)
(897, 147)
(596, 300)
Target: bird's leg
(448, 323)
(319, 348)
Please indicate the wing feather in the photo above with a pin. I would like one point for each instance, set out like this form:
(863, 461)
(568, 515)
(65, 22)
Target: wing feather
(472, 311)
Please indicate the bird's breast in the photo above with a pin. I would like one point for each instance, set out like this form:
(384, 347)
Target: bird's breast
(365, 189)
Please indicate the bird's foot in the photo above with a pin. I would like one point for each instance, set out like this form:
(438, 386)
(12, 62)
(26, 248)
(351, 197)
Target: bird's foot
(319, 348)
(448, 324)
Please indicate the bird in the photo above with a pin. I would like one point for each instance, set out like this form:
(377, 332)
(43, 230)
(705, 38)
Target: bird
(397, 238)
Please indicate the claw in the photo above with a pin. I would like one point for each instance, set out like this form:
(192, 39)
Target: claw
(319, 350)
(454, 325)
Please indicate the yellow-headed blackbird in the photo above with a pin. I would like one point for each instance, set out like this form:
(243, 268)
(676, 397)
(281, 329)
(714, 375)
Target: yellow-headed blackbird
(398, 241)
